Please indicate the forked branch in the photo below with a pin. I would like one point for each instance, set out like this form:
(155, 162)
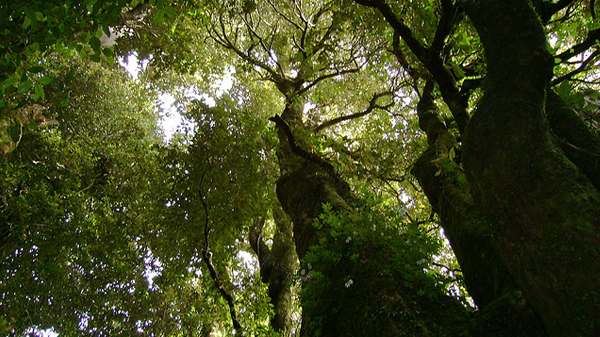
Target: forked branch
(372, 106)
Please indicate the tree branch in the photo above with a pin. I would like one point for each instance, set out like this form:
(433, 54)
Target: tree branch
(207, 255)
(547, 9)
(430, 58)
(579, 70)
(372, 106)
(579, 48)
(258, 245)
(282, 125)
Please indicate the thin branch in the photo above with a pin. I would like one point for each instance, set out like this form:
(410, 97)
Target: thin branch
(326, 76)
(430, 58)
(579, 70)
(372, 106)
(207, 254)
(579, 48)
(224, 41)
(547, 9)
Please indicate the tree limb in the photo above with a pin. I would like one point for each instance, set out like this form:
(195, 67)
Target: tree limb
(579, 70)
(579, 48)
(207, 255)
(282, 125)
(547, 9)
(430, 57)
(372, 106)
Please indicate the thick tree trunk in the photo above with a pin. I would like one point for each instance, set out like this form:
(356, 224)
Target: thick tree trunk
(502, 312)
(543, 210)
(356, 282)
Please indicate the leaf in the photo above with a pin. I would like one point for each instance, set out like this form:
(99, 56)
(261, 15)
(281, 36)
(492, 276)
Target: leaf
(95, 43)
(159, 17)
(564, 90)
(462, 179)
(24, 87)
(45, 80)
(452, 154)
(36, 69)
(26, 22)
(39, 91)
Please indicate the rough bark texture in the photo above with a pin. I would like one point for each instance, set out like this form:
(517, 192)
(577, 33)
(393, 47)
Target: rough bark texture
(544, 211)
(487, 279)
(277, 268)
(389, 301)
(381, 299)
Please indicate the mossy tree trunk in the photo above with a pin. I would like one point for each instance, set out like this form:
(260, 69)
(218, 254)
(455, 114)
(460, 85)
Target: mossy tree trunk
(356, 282)
(523, 215)
(503, 311)
(544, 210)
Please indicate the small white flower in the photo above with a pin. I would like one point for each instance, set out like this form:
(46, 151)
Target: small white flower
(421, 261)
(302, 272)
(348, 283)
(309, 266)
(348, 239)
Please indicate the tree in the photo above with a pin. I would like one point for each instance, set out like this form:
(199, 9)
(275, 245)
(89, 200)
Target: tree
(512, 161)
(333, 106)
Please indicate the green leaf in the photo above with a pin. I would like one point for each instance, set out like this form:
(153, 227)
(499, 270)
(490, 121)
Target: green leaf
(45, 80)
(26, 22)
(159, 17)
(170, 12)
(95, 57)
(39, 91)
(24, 86)
(36, 69)
(95, 43)
(39, 16)
(564, 90)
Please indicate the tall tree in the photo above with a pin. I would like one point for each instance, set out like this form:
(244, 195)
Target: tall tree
(309, 155)
(539, 238)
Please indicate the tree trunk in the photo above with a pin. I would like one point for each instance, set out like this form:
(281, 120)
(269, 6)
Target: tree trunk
(503, 311)
(277, 268)
(543, 210)
(356, 281)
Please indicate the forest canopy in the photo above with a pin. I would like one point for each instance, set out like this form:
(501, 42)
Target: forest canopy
(338, 168)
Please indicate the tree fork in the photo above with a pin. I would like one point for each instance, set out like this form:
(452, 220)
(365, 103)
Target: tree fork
(543, 210)
(486, 277)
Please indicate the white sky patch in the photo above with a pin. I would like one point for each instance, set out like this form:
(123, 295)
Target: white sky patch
(133, 66)
(309, 106)
(171, 119)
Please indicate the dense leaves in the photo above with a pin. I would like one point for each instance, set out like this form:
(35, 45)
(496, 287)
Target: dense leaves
(109, 226)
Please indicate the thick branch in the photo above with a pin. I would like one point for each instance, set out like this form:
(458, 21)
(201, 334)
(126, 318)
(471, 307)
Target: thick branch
(300, 151)
(372, 106)
(430, 58)
(547, 9)
(261, 250)
(582, 68)
(579, 48)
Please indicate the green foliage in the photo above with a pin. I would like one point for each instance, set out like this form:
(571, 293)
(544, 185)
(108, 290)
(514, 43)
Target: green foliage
(363, 268)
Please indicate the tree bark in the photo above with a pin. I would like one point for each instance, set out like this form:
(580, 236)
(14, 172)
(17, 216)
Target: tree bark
(544, 211)
(503, 312)
(370, 287)
(277, 268)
